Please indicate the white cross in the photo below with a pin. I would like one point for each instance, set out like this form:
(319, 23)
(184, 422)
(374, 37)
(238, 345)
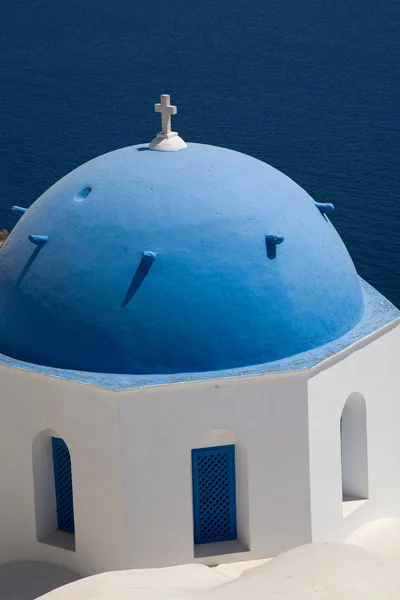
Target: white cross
(166, 111)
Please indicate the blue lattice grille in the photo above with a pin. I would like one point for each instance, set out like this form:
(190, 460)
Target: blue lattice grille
(214, 494)
(63, 485)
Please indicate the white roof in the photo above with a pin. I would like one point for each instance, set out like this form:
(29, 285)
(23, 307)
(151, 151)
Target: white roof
(313, 572)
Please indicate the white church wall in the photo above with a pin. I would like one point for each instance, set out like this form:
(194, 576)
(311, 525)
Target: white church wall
(266, 417)
(369, 373)
(131, 461)
(33, 407)
(131, 468)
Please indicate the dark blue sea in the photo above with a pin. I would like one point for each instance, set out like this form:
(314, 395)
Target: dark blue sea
(310, 86)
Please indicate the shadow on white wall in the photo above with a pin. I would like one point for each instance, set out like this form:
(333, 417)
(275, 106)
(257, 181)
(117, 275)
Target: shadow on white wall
(30, 579)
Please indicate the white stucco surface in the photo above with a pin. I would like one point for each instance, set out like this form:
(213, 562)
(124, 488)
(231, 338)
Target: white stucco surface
(131, 461)
(382, 536)
(28, 580)
(367, 381)
(176, 583)
(323, 571)
(131, 468)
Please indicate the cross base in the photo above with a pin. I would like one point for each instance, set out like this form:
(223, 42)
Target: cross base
(167, 142)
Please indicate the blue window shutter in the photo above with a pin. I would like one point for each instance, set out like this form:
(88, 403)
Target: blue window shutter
(63, 485)
(214, 494)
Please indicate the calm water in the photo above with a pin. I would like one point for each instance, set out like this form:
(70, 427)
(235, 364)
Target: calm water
(310, 86)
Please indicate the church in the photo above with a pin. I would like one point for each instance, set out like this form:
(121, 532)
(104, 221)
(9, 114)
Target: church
(192, 370)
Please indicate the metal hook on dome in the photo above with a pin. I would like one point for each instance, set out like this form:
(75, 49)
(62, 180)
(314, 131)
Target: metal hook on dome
(38, 240)
(324, 207)
(271, 242)
(148, 258)
(18, 211)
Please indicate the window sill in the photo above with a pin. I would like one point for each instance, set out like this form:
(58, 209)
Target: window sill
(219, 549)
(60, 539)
(351, 504)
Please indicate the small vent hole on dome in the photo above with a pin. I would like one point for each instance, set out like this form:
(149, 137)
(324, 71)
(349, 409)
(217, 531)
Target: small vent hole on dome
(82, 194)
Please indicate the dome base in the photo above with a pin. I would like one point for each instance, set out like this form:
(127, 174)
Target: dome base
(167, 142)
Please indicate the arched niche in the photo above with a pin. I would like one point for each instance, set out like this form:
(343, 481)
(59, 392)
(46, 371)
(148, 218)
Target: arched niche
(47, 526)
(219, 438)
(354, 450)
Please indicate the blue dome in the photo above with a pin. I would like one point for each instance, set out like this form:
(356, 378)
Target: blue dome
(160, 262)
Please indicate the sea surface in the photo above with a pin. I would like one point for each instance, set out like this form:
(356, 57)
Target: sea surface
(309, 86)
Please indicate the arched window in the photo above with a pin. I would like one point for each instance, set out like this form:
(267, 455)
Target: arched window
(53, 490)
(220, 493)
(354, 450)
(63, 485)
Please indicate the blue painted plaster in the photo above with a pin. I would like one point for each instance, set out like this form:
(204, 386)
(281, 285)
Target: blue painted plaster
(38, 240)
(18, 211)
(212, 299)
(378, 313)
(325, 207)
